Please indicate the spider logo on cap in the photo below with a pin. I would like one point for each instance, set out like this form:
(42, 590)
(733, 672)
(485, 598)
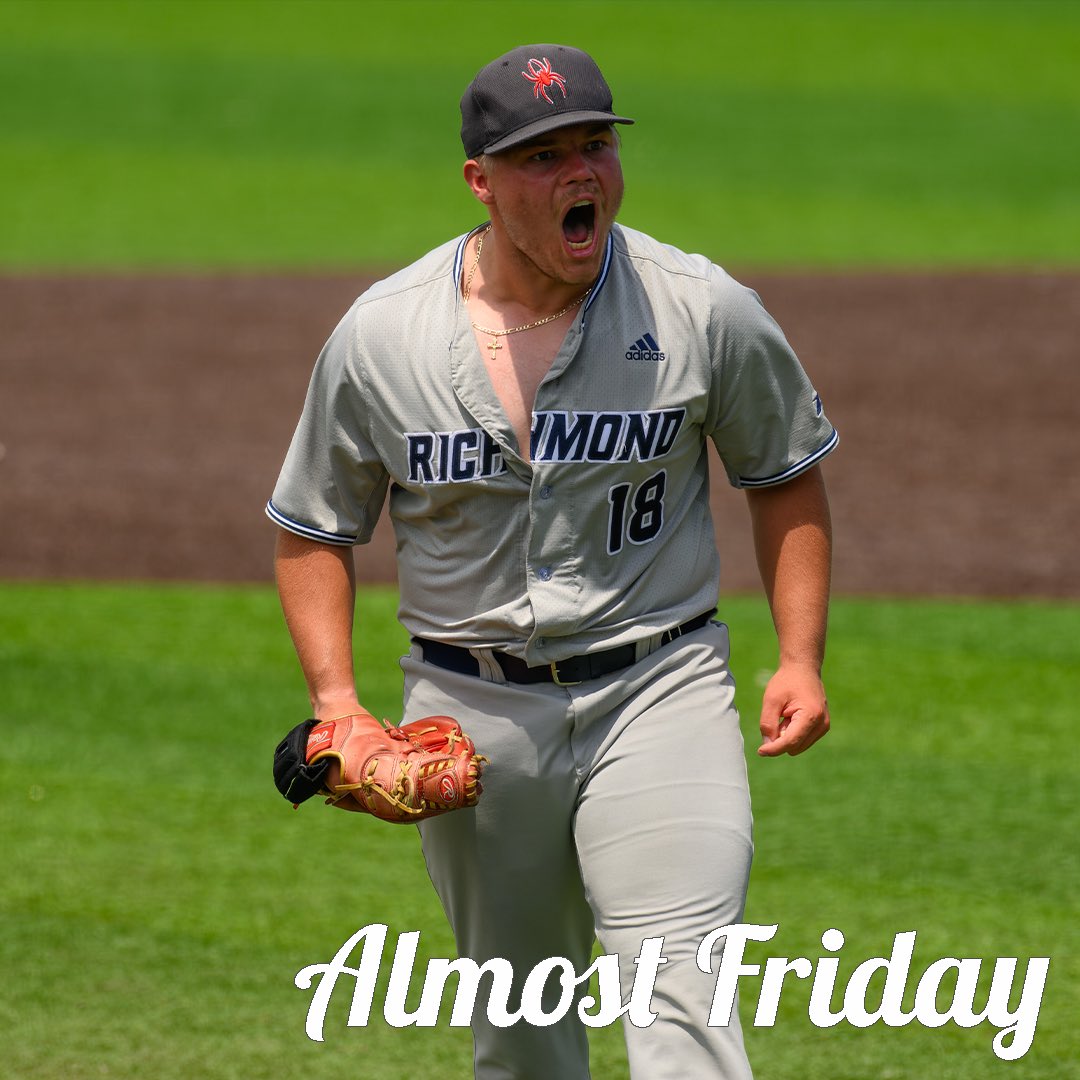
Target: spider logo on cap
(541, 76)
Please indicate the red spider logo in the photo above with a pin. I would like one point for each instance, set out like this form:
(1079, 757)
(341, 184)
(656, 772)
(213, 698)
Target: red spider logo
(541, 76)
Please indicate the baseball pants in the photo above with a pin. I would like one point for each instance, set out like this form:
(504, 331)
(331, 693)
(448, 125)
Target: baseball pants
(617, 809)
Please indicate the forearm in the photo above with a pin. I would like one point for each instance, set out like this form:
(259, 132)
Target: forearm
(793, 541)
(317, 586)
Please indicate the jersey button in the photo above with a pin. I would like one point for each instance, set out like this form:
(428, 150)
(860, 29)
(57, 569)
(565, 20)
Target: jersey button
(545, 492)
(544, 573)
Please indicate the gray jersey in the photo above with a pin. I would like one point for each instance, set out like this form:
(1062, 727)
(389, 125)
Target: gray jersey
(605, 536)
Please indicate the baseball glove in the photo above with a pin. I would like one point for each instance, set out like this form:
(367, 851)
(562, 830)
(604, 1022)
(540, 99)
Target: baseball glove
(399, 774)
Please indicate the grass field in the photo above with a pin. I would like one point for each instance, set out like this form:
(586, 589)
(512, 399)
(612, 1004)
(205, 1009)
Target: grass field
(253, 133)
(159, 896)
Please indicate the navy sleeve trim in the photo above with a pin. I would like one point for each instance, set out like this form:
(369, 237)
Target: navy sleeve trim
(276, 516)
(794, 470)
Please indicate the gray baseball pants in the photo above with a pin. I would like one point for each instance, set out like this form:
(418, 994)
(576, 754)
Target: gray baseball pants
(616, 809)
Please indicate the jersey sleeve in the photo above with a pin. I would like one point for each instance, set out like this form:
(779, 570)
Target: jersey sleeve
(765, 417)
(333, 483)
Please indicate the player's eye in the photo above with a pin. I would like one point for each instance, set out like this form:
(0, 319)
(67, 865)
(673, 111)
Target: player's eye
(543, 155)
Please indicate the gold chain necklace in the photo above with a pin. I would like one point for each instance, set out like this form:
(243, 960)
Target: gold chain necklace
(496, 334)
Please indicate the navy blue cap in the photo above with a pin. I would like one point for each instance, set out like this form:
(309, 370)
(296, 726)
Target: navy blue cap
(531, 90)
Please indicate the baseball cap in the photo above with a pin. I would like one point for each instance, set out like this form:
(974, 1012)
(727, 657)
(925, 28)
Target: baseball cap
(530, 90)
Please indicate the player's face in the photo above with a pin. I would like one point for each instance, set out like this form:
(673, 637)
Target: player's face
(555, 198)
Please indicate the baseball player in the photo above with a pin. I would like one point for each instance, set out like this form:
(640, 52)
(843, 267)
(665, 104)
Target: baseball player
(536, 398)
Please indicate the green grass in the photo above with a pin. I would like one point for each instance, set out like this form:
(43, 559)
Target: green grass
(159, 896)
(254, 133)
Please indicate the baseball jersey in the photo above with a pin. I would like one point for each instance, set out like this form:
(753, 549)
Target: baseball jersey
(602, 534)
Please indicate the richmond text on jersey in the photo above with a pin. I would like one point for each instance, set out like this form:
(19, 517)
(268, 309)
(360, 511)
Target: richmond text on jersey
(444, 457)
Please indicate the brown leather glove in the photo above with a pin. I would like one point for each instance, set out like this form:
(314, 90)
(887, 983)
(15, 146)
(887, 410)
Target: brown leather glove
(401, 775)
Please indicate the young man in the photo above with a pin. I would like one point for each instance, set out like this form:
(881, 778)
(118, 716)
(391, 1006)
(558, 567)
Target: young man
(537, 397)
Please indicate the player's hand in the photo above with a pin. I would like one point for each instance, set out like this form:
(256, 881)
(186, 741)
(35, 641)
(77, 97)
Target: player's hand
(794, 712)
(362, 721)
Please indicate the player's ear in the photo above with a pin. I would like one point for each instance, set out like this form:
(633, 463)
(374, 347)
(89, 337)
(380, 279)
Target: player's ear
(477, 172)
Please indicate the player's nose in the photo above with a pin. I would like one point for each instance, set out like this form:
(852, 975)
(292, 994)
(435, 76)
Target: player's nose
(577, 167)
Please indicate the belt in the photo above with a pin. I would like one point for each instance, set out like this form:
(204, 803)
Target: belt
(568, 672)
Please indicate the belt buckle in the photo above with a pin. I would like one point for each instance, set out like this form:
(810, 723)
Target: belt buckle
(556, 678)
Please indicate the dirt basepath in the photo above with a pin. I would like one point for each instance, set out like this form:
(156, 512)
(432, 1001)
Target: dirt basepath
(143, 421)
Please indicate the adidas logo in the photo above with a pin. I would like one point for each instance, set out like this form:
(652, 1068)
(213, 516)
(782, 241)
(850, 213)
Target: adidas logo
(645, 348)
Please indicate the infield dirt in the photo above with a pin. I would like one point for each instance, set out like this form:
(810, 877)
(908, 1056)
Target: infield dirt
(143, 421)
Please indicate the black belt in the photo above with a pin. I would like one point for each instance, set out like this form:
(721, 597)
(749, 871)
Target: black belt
(568, 672)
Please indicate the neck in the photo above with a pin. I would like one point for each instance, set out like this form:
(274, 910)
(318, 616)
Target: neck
(507, 280)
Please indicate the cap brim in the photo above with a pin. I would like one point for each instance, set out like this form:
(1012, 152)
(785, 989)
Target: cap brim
(550, 123)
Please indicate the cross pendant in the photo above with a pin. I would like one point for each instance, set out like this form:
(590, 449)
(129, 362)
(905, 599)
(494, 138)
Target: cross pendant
(493, 346)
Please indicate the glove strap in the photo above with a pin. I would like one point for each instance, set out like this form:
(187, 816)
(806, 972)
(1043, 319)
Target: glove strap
(294, 778)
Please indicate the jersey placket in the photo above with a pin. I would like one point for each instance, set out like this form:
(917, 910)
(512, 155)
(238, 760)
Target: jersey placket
(553, 559)
(556, 541)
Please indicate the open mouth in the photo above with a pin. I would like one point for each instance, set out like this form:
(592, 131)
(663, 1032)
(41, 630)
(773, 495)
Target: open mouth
(579, 225)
